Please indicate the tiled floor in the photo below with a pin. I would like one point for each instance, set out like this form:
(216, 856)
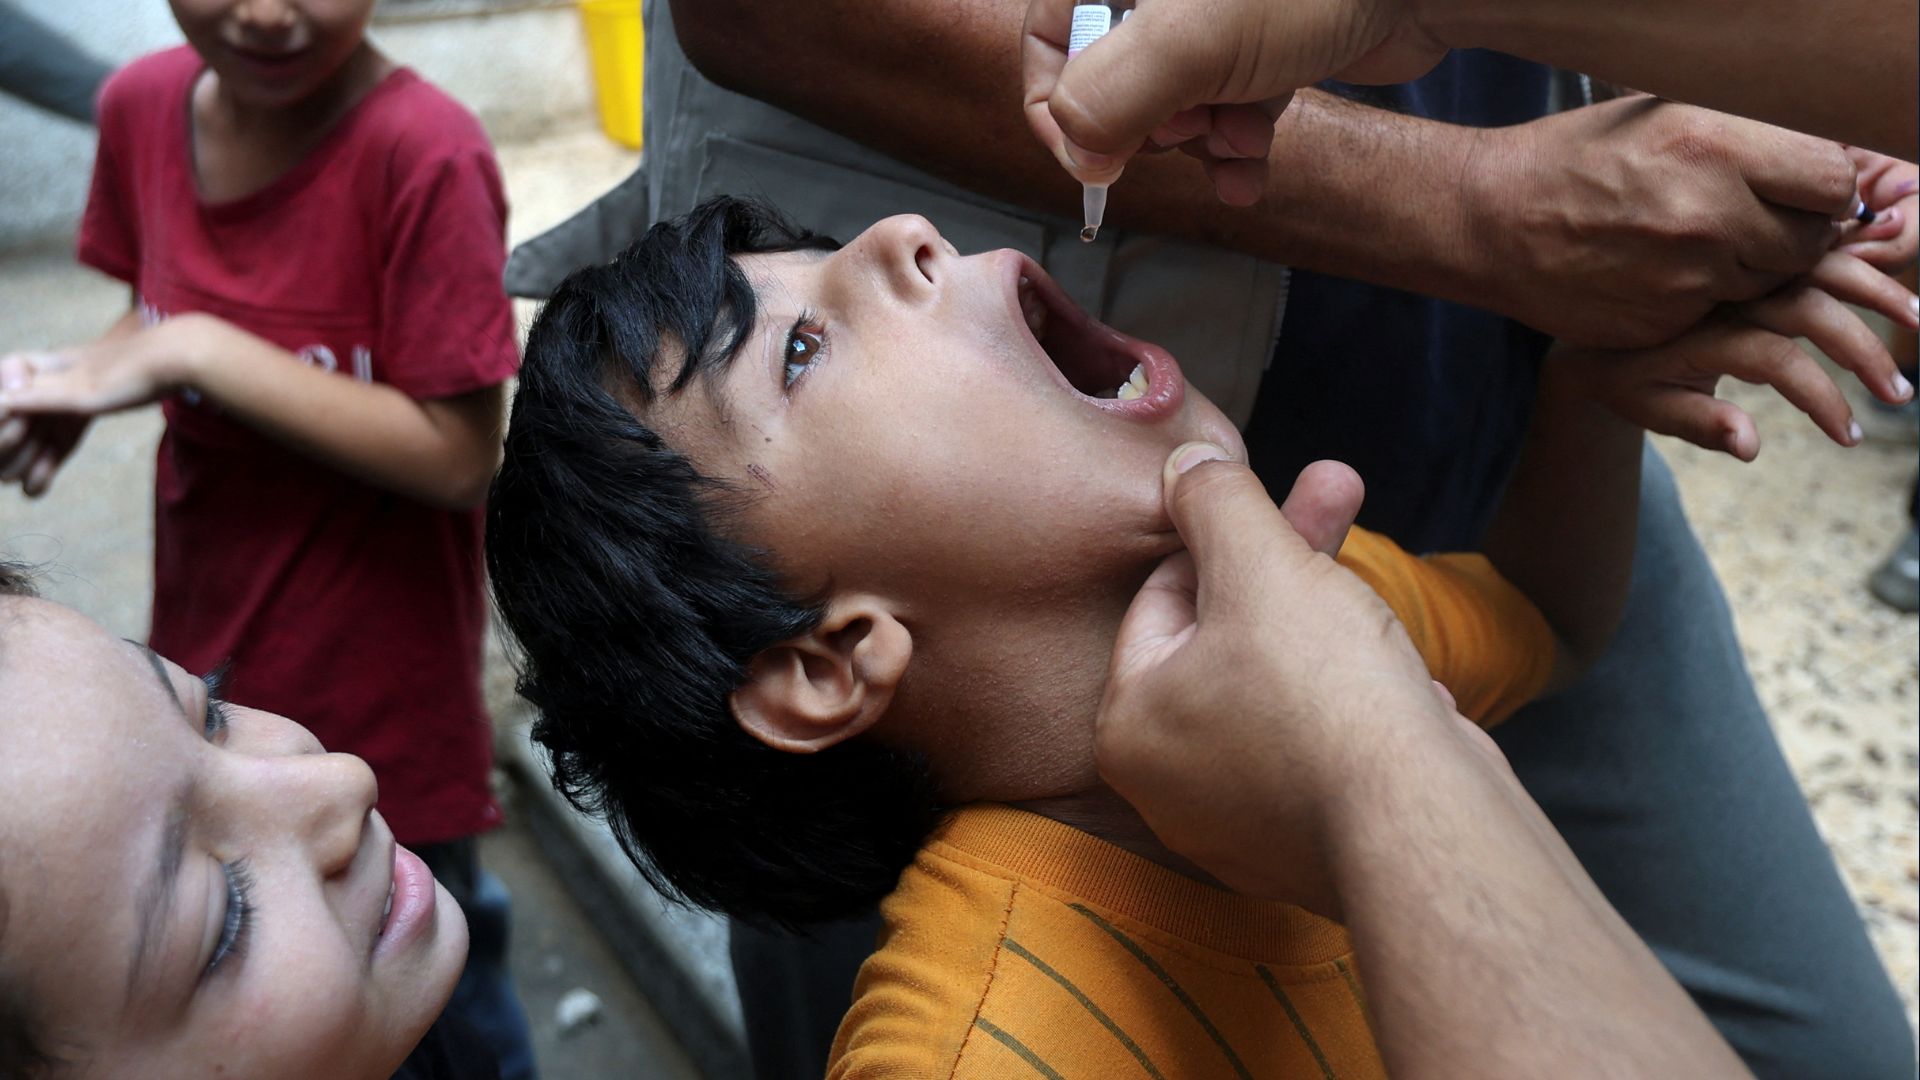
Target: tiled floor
(1793, 537)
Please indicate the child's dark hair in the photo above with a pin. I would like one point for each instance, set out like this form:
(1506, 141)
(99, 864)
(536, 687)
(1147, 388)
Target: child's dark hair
(21, 1053)
(636, 616)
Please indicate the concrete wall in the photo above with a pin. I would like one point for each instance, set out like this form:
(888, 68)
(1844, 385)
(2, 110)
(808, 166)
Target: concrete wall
(522, 70)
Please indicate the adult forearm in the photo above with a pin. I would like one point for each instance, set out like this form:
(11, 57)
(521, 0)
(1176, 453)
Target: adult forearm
(1845, 70)
(1351, 191)
(1485, 949)
(1566, 528)
(370, 430)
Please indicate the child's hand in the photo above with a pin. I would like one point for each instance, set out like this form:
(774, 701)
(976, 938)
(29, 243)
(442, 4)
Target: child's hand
(1669, 389)
(48, 398)
(32, 448)
(1891, 189)
(101, 377)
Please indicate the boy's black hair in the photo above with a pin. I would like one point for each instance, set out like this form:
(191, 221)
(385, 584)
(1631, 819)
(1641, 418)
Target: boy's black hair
(22, 1054)
(636, 615)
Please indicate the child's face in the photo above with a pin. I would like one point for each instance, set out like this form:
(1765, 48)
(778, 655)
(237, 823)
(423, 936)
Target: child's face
(273, 53)
(186, 899)
(901, 430)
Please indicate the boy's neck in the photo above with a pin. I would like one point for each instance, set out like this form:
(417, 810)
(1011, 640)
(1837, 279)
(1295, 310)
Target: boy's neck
(1101, 812)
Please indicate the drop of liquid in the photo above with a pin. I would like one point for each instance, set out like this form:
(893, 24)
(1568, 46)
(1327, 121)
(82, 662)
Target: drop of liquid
(1088, 232)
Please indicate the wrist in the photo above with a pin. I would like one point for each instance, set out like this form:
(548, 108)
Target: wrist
(184, 355)
(1495, 189)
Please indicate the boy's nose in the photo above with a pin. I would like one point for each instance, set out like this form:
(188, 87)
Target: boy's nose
(332, 794)
(909, 251)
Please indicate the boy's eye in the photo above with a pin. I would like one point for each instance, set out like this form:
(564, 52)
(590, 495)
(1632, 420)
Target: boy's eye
(218, 712)
(804, 344)
(237, 920)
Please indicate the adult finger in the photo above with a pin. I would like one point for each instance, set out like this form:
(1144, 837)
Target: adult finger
(1241, 131)
(1779, 240)
(1325, 499)
(1230, 524)
(1129, 82)
(1237, 181)
(1793, 170)
(1833, 327)
(1186, 124)
(1159, 620)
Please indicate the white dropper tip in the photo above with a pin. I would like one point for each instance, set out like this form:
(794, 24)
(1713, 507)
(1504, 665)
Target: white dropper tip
(1093, 200)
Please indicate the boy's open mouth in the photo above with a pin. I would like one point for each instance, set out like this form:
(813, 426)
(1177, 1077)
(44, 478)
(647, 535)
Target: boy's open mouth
(1099, 364)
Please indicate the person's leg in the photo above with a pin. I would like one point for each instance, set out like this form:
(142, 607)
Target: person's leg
(46, 69)
(484, 999)
(794, 988)
(1663, 774)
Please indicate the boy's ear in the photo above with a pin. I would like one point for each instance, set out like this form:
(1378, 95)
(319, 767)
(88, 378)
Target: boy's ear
(828, 685)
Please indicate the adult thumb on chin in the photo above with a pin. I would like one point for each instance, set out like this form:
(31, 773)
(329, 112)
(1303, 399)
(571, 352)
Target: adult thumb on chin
(1222, 512)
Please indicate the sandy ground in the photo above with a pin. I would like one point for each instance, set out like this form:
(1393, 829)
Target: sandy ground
(1792, 537)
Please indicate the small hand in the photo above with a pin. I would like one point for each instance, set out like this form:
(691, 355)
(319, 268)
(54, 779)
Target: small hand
(1669, 389)
(101, 377)
(32, 448)
(1890, 188)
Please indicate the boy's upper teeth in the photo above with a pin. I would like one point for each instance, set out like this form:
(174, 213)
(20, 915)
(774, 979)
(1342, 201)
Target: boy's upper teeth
(1033, 308)
(1135, 386)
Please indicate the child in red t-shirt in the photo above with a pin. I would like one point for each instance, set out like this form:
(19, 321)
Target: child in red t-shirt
(316, 258)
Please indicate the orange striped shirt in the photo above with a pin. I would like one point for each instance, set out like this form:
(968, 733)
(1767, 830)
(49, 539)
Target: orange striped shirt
(1017, 946)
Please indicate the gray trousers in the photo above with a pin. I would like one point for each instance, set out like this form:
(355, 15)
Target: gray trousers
(1661, 771)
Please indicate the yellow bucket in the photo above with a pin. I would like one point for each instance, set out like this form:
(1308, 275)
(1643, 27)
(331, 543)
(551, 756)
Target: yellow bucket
(616, 41)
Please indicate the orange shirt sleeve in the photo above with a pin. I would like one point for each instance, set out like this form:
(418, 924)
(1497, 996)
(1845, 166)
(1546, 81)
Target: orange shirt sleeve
(1481, 637)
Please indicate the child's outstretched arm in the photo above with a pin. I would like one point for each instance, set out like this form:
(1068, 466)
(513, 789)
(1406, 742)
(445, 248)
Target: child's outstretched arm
(442, 451)
(1565, 532)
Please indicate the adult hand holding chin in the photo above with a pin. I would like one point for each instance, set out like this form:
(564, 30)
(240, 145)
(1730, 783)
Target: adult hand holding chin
(1256, 683)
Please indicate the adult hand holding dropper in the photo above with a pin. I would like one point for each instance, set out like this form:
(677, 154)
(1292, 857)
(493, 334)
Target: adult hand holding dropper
(1204, 74)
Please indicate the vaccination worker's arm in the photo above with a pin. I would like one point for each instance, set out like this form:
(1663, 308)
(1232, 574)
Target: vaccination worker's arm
(1846, 71)
(1618, 226)
(1272, 722)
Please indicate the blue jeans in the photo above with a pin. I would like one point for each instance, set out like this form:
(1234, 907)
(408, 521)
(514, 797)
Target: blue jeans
(484, 998)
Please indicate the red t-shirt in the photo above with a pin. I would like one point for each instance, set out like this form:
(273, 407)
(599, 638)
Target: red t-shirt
(355, 611)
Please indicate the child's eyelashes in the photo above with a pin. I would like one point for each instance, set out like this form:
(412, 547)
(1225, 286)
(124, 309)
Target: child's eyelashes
(806, 340)
(218, 711)
(237, 921)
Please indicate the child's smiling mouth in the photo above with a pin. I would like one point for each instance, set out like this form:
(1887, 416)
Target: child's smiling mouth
(1101, 366)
